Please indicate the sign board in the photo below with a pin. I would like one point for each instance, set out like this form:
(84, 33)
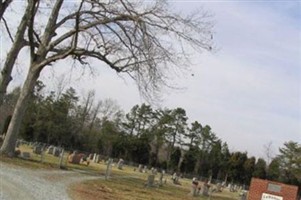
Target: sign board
(274, 187)
(266, 196)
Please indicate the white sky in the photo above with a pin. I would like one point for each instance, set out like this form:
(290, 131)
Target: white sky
(249, 91)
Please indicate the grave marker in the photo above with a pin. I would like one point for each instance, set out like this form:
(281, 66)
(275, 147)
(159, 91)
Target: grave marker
(109, 168)
(25, 155)
(145, 169)
(194, 187)
(50, 149)
(56, 151)
(61, 159)
(150, 181)
(120, 164)
(243, 195)
(205, 189)
(94, 157)
(154, 171)
(140, 168)
(97, 158)
(161, 178)
(37, 149)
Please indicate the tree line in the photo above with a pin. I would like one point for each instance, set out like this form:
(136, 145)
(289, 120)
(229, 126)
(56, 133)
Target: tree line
(160, 137)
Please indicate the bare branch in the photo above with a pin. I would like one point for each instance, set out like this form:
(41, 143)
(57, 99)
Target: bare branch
(7, 29)
(50, 28)
(32, 14)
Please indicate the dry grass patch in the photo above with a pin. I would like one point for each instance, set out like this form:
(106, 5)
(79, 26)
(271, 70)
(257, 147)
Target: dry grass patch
(30, 163)
(133, 189)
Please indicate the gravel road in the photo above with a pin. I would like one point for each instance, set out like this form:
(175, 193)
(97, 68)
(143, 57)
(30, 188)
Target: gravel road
(27, 184)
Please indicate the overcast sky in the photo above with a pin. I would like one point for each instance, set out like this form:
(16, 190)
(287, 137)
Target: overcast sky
(249, 91)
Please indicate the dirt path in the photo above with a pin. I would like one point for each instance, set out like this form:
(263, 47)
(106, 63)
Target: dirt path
(27, 184)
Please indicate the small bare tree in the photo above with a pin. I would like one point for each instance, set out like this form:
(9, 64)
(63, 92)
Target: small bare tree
(142, 39)
(269, 152)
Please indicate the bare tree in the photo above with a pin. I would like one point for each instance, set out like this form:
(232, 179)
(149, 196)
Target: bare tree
(109, 109)
(269, 152)
(95, 112)
(143, 40)
(85, 111)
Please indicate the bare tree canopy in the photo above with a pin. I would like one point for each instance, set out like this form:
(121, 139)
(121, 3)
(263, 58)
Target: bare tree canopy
(146, 40)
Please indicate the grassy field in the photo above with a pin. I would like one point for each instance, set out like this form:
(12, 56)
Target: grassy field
(124, 184)
(132, 188)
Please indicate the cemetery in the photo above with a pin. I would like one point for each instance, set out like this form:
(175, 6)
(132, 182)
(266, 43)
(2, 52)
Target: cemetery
(117, 180)
(88, 108)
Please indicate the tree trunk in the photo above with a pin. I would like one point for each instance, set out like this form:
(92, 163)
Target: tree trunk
(157, 148)
(3, 6)
(181, 159)
(8, 146)
(197, 165)
(5, 76)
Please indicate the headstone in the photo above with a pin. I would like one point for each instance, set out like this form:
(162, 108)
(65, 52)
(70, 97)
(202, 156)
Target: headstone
(161, 178)
(154, 171)
(210, 179)
(243, 196)
(85, 159)
(232, 188)
(75, 158)
(25, 155)
(61, 159)
(38, 149)
(219, 187)
(56, 151)
(205, 189)
(94, 157)
(97, 158)
(195, 188)
(175, 178)
(90, 156)
(150, 181)
(145, 169)
(109, 168)
(50, 149)
(140, 168)
(120, 164)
